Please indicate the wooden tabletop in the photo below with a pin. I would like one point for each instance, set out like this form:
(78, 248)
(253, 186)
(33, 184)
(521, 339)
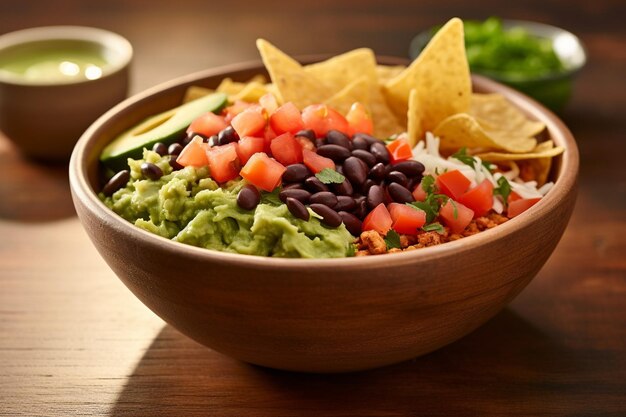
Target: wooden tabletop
(75, 341)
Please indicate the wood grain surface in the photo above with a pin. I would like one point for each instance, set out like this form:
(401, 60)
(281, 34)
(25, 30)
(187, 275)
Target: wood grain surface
(75, 341)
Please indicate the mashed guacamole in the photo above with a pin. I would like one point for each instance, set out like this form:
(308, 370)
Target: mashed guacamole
(187, 206)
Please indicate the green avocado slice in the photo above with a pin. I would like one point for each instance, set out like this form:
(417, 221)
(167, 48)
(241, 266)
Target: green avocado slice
(165, 127)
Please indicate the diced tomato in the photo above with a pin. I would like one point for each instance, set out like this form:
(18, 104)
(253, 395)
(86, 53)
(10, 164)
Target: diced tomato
(378, 219)
(316, 162)
(223, 162)
(249, 122)
(248, 146)
(418, 193)
(268, 102)
(286, 118)
(520, 205)
(406, 219)
(268, 135)
(453, 183)
(321, 118)
(207, 125)
(263, 171)
(305, 143)
(359, 119)
(286, 149)
(233, 110)
(400, 150)
(456, 216)
(194, 154)
(479, 198)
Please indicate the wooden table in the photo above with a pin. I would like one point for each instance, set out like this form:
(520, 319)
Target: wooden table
(75, 341)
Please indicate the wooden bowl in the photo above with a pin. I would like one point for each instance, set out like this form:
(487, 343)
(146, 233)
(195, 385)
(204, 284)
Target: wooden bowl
(324, 315)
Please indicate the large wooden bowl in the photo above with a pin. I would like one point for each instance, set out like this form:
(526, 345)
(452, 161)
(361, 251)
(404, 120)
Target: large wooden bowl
(327, 315)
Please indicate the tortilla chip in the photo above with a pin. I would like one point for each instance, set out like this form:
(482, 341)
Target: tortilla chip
(356, 91)
(495, 111)
(441, 77)
(387, 72)
(544, 150)
(292, 82)
(340, 71)
(195, 92)
(251, 93)
(462, 130)
(414, 126)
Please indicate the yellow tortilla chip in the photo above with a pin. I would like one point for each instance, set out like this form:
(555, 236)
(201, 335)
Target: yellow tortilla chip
(544, 150)
(292, 82)
(251, 92)
(441, 77)
(495, 111)
(339, 71)
(462, 130)
(194, 92)
(355, 91)
(387, 72)
(414, 127)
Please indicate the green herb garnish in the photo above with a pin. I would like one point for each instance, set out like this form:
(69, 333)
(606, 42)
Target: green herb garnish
(271, 198)
(468, 159)
(392, 240)
(330, 176)
(503, 189)
(428, 184)
(434, 227)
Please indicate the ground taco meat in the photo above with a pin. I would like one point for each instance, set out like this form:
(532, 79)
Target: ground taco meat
(373, 243)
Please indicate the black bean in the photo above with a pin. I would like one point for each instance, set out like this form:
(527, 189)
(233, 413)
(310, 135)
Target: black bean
(345, 188)
(116, 182)
(296, 173)
(324, 197)
(377, 172)
(299, 194)
(399, 177)
(319, 142)
(365, 187)
(409, 168)
(413, 182)
(329, 216)
(295, 185)
(375, 196)
(151, 171)
(361, 209)
(360, 143)
(248, 197)
(307, 133)
(297, 209)
(339, 169)
(175, 149)
(227, 135)
(186, 139)
(352, 223)
(212, 141)
(335, 152)
(380, 152)
(345, 203)
(175, 165)
(160, 148)
(365, 156)
(314, 185)
(370, 140)
(355, 170)
(336, 137)
(399, 194)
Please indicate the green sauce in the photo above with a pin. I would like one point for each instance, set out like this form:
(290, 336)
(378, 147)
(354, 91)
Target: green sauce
(55, 63)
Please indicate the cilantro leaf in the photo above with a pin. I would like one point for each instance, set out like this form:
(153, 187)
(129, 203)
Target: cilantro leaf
(503, 189)
(428, 184)
(468, 159)
(271, 198)
(434, 227)
(430, 211)
(330, 176)
(392, 240)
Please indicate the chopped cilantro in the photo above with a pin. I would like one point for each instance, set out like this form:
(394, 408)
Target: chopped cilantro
(392, 240)
(455, 211)
(271, 198)
(503, 189)
(469, 160)
(428, 184)
(330, 176)
(431, 205)
(434, 227)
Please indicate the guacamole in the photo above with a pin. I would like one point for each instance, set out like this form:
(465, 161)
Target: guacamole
(187, 206)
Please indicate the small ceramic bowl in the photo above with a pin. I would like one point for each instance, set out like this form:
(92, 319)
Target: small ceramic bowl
(553, 90)
(55, 81)
(321, 315)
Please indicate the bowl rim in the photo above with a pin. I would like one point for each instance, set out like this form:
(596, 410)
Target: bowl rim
(536, 28)
(82, 191)
(104, 38)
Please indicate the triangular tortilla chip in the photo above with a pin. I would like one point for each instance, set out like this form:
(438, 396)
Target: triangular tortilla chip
(356, 91)
(495, 111)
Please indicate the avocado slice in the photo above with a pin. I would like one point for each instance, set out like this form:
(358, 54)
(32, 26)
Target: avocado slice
(165, 127)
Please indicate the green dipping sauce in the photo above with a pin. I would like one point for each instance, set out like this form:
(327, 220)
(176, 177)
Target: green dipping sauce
(513, 53)
(54, 62)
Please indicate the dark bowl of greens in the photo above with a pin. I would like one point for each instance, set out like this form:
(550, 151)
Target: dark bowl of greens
(537, 59)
